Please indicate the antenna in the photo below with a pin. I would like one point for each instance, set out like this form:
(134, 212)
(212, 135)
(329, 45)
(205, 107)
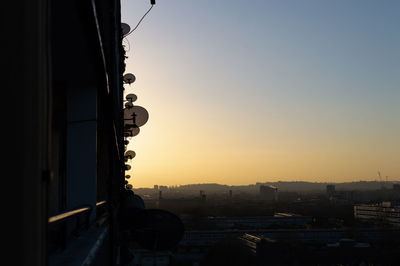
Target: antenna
(380, 180)
(129, 78)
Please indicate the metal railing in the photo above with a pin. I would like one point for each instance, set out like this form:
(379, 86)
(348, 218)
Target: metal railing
(61, 226)
(71, 214)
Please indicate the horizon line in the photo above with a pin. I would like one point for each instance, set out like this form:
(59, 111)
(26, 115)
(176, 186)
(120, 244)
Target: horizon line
(280, 181)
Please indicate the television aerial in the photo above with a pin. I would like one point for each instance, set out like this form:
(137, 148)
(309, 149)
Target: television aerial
(125, 28)
(129, 78)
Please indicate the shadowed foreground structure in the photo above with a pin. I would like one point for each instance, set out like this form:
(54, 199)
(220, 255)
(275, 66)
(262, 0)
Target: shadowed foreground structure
(71, 192)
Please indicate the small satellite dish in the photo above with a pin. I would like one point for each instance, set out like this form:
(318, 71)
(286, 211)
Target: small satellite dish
(127, 167)
(129, 155)
(129, 78)
(136, 115)
(128, 105)
(126, 142)
(125, 28)
(127, 176)
(131, 97)
(131, 131)
(128, 186)
(155, 229)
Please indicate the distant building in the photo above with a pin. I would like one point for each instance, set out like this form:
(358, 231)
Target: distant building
(163, 187)
(396, 187)
(203, 196)
(155, 187)
(269, 193)
(384, 213)
(330, 190)
(331, 247)
(282, 220)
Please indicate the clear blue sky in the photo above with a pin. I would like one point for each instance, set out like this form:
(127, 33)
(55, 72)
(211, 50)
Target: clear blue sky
(247, 91)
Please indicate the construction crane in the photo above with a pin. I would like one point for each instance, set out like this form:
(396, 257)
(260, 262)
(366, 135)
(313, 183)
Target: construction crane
(380, 180)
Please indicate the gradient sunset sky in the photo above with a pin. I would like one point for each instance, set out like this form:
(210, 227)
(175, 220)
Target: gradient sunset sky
(240, 92)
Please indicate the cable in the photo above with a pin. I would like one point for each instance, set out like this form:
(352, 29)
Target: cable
(139, 21)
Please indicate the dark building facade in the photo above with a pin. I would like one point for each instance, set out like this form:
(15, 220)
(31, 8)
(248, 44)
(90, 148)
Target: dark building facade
(65, 67)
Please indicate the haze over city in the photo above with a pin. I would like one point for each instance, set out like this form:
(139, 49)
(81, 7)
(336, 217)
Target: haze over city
(242, 92)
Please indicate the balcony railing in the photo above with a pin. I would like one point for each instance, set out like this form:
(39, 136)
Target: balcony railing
(70, 223)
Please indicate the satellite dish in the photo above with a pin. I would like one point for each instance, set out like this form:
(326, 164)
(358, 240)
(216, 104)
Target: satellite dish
(126, 142)
(131, 97)
(127, 176)
(128, 105)
(131, 131)
(129, 78)
(155, 229)
(127, 167)
(128, 186)
(125, 28)
(136, 115)
(129, 155)
(132, 201)
(132, 205)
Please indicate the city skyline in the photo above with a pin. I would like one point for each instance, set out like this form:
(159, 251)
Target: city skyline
(239, 93)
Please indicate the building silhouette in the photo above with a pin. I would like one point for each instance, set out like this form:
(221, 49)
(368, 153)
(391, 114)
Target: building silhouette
(65, 73)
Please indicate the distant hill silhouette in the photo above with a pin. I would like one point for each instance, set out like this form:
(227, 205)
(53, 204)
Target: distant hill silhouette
(289, 186)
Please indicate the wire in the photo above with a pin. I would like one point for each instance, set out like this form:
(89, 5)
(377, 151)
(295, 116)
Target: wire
(139, 21)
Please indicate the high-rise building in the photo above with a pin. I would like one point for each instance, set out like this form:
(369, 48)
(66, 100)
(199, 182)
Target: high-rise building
(71, 125)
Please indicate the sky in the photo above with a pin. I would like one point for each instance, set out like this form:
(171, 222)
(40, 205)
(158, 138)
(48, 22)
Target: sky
(240, 92)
